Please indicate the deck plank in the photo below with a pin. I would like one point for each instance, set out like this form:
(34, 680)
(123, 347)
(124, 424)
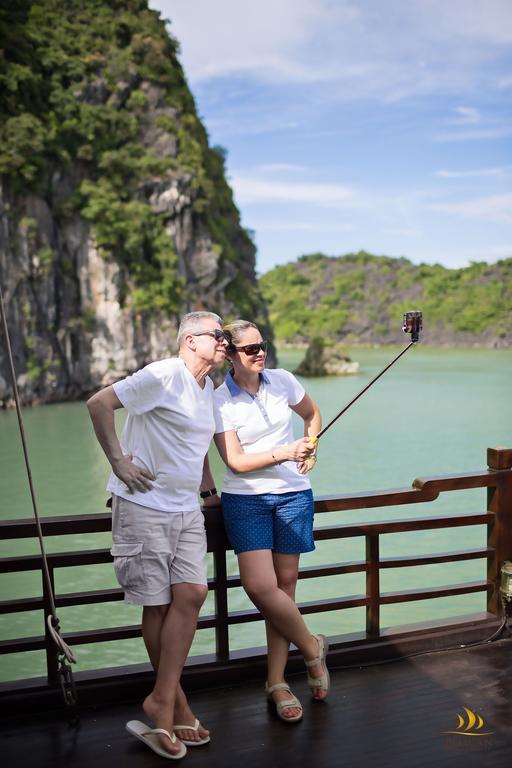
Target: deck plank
(387, 715)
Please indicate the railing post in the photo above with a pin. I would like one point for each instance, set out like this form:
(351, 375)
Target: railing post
(372, 586)
(52, 667)
(221, 605)
(499, 531)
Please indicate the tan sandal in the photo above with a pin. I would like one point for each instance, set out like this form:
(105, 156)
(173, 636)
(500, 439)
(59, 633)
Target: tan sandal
(323, 682)
(287, 703)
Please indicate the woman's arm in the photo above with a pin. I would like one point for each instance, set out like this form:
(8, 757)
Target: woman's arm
(233, 456)
(309, 412)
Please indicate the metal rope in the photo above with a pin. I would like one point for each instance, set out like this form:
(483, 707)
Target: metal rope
(52, 621)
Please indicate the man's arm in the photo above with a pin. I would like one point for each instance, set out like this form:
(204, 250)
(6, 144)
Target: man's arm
(101, 410)
(208, 484)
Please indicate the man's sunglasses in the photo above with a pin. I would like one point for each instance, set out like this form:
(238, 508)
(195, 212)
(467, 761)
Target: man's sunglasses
(217, 334)
(253, 349)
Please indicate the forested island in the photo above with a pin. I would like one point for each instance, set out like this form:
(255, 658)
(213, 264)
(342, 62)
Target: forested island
(116, 216)
(359, 298)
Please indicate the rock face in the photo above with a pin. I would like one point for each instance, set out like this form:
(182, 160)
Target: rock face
(71, 329)
(325, 358)
(125, 222)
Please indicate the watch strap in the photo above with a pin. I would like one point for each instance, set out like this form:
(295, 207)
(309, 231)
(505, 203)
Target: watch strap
(211, 492)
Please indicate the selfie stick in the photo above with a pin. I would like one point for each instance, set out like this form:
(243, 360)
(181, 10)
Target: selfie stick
(412, 324)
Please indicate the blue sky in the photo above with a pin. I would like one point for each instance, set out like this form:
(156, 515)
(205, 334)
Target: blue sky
(382, 125)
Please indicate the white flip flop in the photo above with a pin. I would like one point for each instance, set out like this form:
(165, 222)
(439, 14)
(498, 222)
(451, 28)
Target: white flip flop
(195, 728)
(149, 736)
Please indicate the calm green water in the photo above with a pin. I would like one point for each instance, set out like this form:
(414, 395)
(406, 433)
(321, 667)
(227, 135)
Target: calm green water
(435, 412)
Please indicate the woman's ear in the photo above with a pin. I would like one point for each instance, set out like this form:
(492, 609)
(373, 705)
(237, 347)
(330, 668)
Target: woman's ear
(230, 349)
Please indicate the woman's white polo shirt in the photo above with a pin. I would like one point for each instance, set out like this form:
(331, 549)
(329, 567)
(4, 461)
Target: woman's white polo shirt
(261, 422)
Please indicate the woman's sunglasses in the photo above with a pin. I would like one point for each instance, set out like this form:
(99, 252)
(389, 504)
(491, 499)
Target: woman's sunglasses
(217, 334)
(253, 349)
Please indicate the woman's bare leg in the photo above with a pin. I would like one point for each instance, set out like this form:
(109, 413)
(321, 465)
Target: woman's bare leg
(259, 579)
(286, 568)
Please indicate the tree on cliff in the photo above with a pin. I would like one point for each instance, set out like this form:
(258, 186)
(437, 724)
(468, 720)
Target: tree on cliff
(102, 152)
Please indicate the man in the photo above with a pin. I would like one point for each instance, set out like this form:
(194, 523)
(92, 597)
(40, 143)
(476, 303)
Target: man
(159, 540)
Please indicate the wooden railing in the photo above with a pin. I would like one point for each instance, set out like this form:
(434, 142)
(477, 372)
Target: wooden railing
(497, 548)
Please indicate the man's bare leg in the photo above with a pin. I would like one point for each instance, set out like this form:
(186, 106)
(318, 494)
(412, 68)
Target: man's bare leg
(152, 619)
(176, 635)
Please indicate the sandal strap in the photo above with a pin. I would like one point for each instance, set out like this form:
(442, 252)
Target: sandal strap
(277, 687)
(322, 681)
(194, 727)
(317, 682)
(293, 702)
(170, 736)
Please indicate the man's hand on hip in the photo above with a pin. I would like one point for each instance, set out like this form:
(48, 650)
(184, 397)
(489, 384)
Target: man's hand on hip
(136, 478)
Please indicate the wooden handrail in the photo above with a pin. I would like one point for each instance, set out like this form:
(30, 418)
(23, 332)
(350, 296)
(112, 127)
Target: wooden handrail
(422, 490)
(498, 519)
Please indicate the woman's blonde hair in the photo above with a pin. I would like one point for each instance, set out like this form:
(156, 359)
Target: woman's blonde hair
(235, 330)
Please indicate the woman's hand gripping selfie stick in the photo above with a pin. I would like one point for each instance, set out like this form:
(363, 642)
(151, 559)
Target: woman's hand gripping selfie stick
(412, 324)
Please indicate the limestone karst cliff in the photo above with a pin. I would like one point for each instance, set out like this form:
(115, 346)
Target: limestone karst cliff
(116, 216)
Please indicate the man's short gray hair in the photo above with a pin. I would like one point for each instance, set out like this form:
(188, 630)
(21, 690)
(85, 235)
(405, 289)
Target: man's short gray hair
(193, 321)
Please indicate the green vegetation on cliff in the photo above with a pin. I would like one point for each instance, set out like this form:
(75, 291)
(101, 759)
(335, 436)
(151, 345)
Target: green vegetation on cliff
(360, 298)
(92, 91)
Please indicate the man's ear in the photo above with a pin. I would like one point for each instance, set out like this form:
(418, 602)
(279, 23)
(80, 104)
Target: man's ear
(190, 341)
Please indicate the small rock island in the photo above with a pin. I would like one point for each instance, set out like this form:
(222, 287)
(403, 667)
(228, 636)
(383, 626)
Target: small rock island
(326, 358)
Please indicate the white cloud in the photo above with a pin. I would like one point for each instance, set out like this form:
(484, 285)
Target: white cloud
(273, 168)
(476, 173)
(499, 251)
(467, 115)
(302, 226)
(479, 134)
(487, 21)
(388, 50)
(258, 189)
(403, 231)
(473, 124)
(230, 37)
(496, 208)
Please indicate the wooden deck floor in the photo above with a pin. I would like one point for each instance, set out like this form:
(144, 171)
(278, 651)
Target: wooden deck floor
(389, 715)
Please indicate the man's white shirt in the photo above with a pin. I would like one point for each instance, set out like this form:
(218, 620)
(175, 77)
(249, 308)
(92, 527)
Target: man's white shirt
(168, 430)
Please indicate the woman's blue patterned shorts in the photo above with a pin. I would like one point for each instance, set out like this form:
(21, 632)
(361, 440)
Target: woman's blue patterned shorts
(281, 522)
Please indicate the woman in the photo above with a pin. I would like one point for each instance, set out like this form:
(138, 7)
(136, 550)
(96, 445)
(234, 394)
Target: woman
(267, 502)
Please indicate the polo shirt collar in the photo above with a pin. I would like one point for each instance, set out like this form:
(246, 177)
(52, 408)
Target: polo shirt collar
(233, 387)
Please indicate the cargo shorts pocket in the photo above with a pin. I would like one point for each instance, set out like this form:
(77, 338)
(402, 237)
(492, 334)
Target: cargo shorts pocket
(128, 563)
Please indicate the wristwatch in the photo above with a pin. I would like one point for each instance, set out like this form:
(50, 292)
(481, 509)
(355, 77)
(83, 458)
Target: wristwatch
(211, 492)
